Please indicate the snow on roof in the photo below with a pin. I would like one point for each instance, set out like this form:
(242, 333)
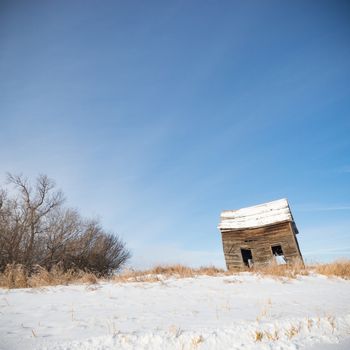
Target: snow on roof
(256, 216)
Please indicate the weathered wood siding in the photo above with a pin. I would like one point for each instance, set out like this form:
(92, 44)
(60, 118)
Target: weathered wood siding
(259, 240)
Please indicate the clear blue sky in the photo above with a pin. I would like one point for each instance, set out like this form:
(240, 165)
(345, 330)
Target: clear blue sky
(157, 115)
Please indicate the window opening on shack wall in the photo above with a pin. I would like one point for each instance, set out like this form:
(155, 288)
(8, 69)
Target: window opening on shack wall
(277, 250)
(278, 254)
(247, 257)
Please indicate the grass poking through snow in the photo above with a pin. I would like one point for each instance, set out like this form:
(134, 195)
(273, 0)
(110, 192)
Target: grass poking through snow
(16, 276)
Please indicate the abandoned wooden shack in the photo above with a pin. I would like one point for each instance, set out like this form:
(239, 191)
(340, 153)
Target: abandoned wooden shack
(257, 235)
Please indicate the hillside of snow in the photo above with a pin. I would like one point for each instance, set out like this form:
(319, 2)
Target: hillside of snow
(242, 311)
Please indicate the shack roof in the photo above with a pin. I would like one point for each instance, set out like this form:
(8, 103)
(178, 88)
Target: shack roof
(256, 216)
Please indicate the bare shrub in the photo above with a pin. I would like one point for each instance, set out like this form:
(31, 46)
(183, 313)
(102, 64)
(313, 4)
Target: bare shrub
(36, 230)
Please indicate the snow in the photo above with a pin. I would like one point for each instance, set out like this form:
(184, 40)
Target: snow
(225, 312)
(256, 216)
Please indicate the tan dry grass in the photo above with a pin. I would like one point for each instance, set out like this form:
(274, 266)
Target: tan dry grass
(290, 270)
(338, 268)
(258, 336)
(185, 271)
(16, 276)
(160, 272)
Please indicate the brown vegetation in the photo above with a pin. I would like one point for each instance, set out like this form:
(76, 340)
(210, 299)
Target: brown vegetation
(35, 229)
(17, 276)
(291, 270)
(159, 273)
(339, 268)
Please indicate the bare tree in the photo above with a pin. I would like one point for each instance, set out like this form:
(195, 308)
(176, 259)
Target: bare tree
(35, 228)
(34, 206)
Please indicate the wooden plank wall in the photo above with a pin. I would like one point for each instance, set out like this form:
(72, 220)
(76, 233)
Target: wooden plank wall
(259, 240)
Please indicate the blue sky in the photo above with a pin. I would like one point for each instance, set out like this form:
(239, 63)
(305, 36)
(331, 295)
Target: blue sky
(156, 115)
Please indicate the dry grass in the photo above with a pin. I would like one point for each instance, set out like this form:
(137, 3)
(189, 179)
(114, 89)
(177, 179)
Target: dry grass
(258, 336)
(309, 324)
(16, 276)
(159, 273)
(292, 331)
(264, 311)
(331, 321)
(196, 341)
(272, 336)
(338, 268)
(290, 270)
(175, 331)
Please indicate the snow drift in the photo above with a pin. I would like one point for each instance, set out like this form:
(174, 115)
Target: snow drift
(242, 311)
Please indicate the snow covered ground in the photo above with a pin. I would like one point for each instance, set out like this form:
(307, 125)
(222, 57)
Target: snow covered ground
(229, 312)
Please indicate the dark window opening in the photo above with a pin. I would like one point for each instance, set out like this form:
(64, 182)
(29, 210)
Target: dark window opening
(277, 250)
(278, 254)
(247, 257)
